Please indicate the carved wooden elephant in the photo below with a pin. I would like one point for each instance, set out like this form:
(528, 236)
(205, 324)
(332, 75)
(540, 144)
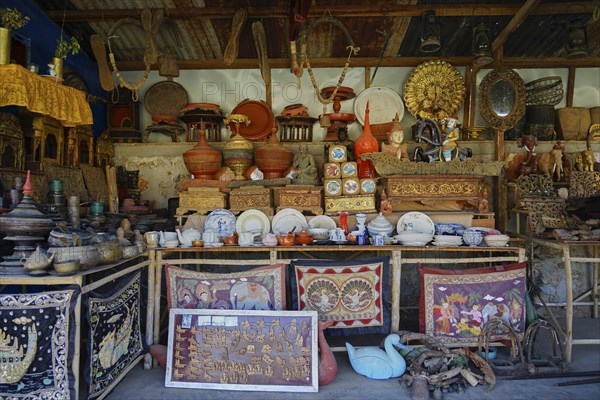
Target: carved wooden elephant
(550, 163)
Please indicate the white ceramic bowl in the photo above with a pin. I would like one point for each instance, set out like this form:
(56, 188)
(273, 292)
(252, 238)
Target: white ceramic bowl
(496, 240)
(171, 244)
(319, 233)
(448, 239)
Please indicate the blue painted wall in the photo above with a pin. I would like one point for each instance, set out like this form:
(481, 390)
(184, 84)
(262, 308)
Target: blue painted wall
(43, 33)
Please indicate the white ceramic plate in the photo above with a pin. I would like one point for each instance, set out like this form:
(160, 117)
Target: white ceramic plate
(415, 221)
(287, 220)
(384, 103)
(322, 221)
(253, 221)
(221, 221)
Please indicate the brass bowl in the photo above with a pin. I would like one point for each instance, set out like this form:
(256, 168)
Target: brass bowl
(198, 243)
(67, 267)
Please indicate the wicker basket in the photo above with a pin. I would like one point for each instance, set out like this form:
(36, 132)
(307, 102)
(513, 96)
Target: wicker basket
(546, 91)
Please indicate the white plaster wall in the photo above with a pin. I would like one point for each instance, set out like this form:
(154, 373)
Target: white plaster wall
(229, 87)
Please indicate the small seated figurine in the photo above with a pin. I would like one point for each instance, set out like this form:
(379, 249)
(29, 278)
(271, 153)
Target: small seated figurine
(395, 139)
(304, 168)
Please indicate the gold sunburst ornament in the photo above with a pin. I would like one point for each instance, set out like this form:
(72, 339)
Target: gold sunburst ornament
(435, 89)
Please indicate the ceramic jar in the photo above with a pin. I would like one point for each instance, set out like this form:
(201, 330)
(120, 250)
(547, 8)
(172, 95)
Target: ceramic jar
(366, 143)
(273, 159)
(304, 237)
(380, 226)
(286, 240)
(269, 240)
(202, 160)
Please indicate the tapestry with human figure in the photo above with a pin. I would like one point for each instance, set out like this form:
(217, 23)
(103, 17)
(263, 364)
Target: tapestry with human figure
(37, 331)
(458, 306)
(261, 288)
(116, 343)
(354, 293)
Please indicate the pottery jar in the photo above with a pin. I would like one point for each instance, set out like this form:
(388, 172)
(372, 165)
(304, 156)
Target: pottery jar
(269, 240)
(380, 225)
(304, 237)
(202, 160)
(286, 240)
(273, 159)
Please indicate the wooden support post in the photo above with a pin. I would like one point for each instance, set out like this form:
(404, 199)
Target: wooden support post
(396, 281)
(570, 86)
(367, 77)
(471, 85)
(569, 311)
(150, 307)
(158, 267)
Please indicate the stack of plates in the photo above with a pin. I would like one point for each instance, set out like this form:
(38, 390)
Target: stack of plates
(447, 241)
(413, 238)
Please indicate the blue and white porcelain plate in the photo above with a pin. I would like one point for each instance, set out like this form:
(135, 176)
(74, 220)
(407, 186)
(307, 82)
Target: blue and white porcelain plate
(222, 221)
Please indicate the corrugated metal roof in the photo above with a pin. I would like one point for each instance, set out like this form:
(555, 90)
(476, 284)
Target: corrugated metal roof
(206, 37)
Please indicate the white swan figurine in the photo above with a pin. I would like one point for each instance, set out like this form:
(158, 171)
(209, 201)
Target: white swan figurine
(375, 363)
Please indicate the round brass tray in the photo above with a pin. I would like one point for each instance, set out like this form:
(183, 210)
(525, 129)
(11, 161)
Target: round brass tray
(435, 89)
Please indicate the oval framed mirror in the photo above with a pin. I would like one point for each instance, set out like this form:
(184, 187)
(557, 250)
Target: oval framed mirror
(502, 98)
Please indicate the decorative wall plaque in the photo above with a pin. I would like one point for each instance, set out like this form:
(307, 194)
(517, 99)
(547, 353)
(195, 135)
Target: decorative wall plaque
(243, 350)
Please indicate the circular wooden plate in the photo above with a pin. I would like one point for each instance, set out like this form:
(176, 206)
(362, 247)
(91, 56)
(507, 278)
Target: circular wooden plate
(261, 119)
(166, 97)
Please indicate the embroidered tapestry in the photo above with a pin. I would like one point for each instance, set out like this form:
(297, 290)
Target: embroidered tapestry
(261, 288)
(457, 306)
(115, 338)
(455, 271)
(354, 293)
(37, 331)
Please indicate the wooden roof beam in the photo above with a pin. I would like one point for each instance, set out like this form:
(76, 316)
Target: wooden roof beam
(357, 62)
(414, 10)
(514, 23)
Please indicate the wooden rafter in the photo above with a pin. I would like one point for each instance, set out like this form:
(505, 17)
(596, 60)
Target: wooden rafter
(514, 23)
(345, 11)
(399, 28)
(509, 62)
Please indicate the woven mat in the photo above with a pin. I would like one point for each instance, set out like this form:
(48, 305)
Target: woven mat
(95, 181)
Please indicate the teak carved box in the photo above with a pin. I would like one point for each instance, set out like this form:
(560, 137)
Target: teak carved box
(251, 197)
(243, 350)
(464, 188)
(302, 198)
(200, 200)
